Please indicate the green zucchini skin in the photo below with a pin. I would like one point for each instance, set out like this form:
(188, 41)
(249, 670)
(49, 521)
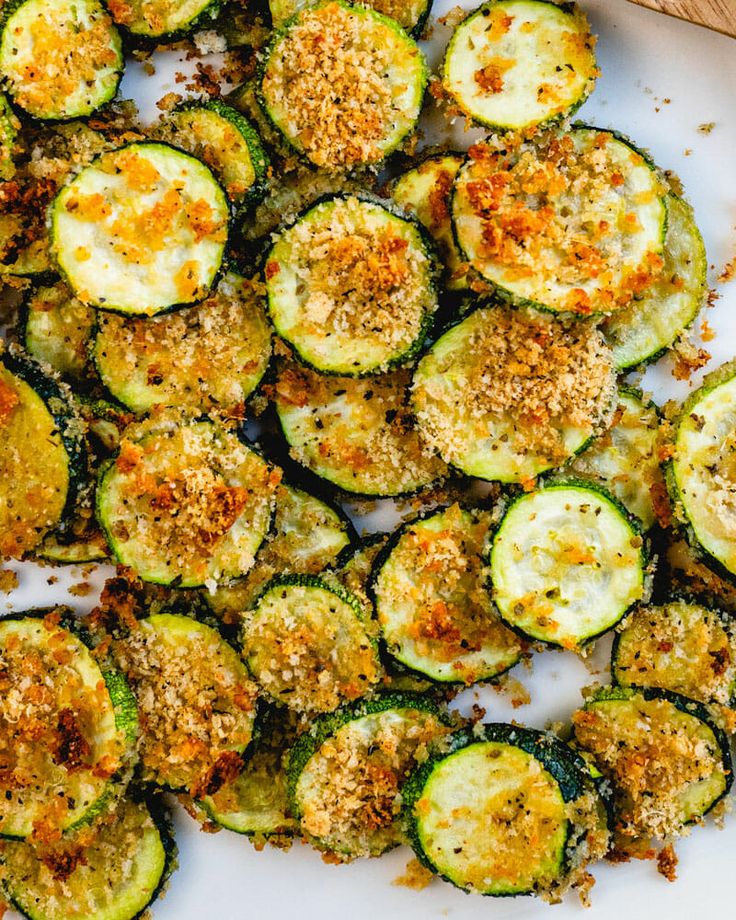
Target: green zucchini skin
(84, 108)
(60, 404)
(636, 534)
(138, 35)
(564, 766)
(280, 11)
(9, 127)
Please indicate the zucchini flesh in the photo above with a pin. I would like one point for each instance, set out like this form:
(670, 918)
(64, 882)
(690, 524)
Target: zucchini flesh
(489, 396)
(42, 455)
(196, 701)
(307, 536)
(60, 58)
(410, 15)
(514, 64)
(425, 192)
(360, 92)
(58, 328)
(350, 287)
(588, 241)
(186, 503)
(492, 812)
(655, 321)
(435, 614)
(226, 142)
(566, 564)
(702, 472)
(625, 459)
(307, 646)
(680, 646)
(346, 773)
(668, 765)
(141, 229)
(162, 18)
(9, 126)
(212, 355)
(112, 871)
(62, 724)
(356, 433)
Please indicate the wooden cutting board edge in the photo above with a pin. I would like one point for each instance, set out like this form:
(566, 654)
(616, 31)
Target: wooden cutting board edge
(719, 15)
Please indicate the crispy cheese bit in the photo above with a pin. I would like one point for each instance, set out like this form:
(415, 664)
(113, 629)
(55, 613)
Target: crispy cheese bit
(343, 86)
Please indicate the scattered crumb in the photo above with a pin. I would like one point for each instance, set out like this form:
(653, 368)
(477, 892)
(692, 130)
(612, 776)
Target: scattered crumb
(81, 589)
(688, 359)
(8, 580)
(688, 152)
(707, 332)
(667, 863)
(51, 580)
(166, 103)
(415, 876)
(729, 271)
(583, 887)
(706, 127)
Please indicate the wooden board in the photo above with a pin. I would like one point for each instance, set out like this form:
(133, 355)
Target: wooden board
(715, 14)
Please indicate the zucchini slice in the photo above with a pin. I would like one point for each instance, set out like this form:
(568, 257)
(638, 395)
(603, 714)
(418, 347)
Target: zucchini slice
(343, 84)
(346, 772)
(667, 762)
(425, 192)
(256, 803)
(9, 127)
(153, 19)
(566, 564)
(221, 137)
(357, 434)
(58, 328)
(701, 477)
(308, 535)
(196, 701)
(491, 397)
(140, 230)
(59, 59)
(680, 646)
(410, 14)
(209, 356)
(655, 320)
(112, 871)
(24, 238)
(307, 645)
(625, 459)
(67, 729)
(515, 64)
(589, 236)
(351, 287)
(186, 502)
(435, 614)
(43, 458)
(91, 546)
(494, 810)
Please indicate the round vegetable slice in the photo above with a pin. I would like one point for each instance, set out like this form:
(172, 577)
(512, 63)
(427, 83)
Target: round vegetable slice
(112, 871)
(140, 230)
(410, 14)
(152, 19)
(435, 613)
(197, 703)
(43, 460)
(490, 396)
(59, 58)
(667, 762)
(356, 433)
(679, 646)
(186, 502)
(346, 772)
(212, 355)
(567, 562)
(588, 239)
(307, 645)
(351, 287)
(58, 328)
(492, 811)
(67, 729)
(360, 94)
(514, 64)
(702, 472)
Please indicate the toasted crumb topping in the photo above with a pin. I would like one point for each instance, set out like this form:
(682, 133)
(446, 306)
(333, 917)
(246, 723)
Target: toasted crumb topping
(655, 756)
(196, 704)
(519, 376)
(348, 792)
(155, 17)
(343, 86)
(360, 434)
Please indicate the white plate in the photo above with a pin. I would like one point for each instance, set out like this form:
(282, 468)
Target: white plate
(660, 80)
